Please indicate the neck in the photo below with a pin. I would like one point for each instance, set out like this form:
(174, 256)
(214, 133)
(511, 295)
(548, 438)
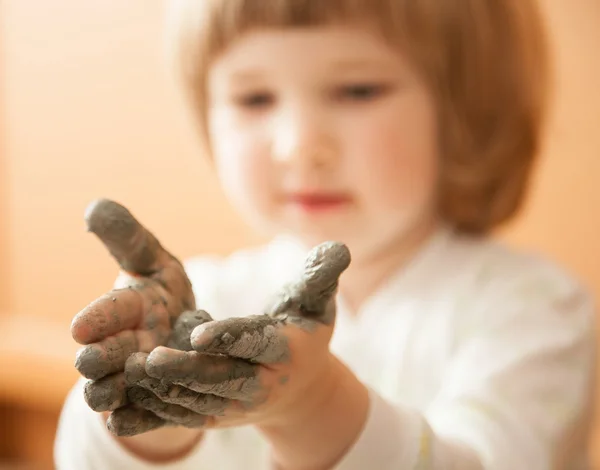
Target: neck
(369, 271)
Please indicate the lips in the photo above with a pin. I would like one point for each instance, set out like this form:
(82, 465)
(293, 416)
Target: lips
(317, 201)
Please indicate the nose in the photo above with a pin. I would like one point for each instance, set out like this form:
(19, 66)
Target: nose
(302, 137)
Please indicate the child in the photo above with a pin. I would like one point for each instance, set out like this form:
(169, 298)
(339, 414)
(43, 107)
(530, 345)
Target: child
(407, 131)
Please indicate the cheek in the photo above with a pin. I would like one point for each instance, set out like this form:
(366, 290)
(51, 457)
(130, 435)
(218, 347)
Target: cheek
(400, 156)
(242, 166)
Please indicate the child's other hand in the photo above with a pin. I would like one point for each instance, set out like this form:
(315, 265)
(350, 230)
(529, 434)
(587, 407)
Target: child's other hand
(135, 318)
(265, 369)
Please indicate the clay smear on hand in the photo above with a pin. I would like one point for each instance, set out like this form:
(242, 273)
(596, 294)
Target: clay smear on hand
(135, 374)
(312, 297)
(205, 373)
(221, 376)
(255, 338)
(183, 328)
(137, 318)
(133, 246)
(111, 395)
(178, 385)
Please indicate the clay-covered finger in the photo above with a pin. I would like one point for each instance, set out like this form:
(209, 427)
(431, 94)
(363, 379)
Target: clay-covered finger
(311, 296)
(106, 394)
(174, 279)
(324, 265)
(130, 420)
(167, 411)
(257, 338)
(135, 367)
(202, 403)
(172, 393)
(183, 327)
(138, 251)
(129, 242)
(135, 375)
(108, 315)
(218, 375)
(98, 360)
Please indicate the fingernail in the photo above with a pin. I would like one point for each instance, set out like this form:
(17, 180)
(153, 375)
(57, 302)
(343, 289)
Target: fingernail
(196, 337)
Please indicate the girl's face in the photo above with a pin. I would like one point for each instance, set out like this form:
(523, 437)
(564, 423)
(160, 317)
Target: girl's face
(326, 133)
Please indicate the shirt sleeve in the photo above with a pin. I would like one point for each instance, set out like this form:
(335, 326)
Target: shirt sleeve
(517, 394)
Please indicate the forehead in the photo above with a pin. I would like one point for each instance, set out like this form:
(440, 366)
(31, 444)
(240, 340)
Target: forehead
(305, 48)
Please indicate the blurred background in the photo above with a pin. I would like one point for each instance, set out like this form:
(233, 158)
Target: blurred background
(87, 109)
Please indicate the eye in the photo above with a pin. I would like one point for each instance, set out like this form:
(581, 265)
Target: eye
(258, 100)
(360, 92)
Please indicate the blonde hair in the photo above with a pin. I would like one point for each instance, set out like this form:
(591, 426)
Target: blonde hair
(485, 62)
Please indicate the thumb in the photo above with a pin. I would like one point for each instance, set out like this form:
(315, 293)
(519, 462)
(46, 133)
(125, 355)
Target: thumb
(313, 294)
(136, 250)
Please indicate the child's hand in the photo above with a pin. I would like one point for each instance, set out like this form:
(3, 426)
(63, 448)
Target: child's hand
(264, 369)
(136, 318)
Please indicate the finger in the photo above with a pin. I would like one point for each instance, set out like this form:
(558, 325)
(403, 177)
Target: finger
(98, 360)
(129, 242)
(257, 338)
(312, 295)
(182, 330)
(205, 404)
(174, 280)
(109, 314)
(135, 368)
(163, 282)
(143, 307)
(135, 375)
(131, 420)
(218, 375)
(167, 411)
(202, 403)
(101, 359)
(106, 394)
(138, 251)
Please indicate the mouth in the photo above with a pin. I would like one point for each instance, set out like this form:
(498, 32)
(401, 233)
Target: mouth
(317, 201)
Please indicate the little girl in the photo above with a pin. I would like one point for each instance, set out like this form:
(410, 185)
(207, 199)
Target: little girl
(405, 130)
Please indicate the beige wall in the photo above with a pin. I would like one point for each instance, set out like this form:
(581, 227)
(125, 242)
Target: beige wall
(89, 113)
(563, 215)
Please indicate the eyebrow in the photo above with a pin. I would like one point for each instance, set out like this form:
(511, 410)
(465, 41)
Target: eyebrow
(245, 76)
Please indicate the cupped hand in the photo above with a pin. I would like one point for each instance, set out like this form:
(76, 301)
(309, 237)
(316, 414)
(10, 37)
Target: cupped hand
(264, 369)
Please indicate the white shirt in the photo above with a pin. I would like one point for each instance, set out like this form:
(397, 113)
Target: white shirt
(471, 344)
